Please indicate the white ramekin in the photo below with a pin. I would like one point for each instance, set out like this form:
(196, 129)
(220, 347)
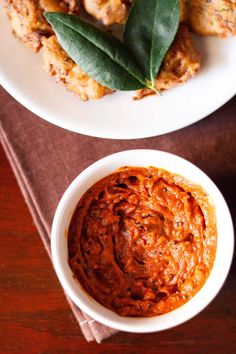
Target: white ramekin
(83, 182)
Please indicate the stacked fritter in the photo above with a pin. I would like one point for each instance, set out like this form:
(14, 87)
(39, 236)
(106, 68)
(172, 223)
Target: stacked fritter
(57, 63)
(112, 12)
(206, 17)
(30, 25)
(181, 62)
(28, 21)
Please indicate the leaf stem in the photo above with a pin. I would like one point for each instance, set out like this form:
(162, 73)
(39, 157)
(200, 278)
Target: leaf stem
(153, 88)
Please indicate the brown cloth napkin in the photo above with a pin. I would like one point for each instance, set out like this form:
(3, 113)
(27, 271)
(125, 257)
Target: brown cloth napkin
(45, 159)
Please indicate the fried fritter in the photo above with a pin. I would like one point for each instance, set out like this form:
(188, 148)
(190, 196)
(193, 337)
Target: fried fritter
(116, 11)
(108, 11)
(28, 21)
(216, 17)
(180, 64)
(57, 63)
(183, 10)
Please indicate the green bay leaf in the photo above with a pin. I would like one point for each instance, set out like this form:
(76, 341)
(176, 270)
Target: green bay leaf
(149, 32)
(99, 54)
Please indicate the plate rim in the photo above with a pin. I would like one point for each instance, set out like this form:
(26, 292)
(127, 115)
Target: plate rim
(35, 109)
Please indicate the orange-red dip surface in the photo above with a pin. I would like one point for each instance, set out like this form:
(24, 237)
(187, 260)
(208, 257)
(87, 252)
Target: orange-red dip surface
(142, 241)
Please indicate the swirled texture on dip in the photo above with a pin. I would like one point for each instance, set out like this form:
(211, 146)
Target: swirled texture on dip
(142, 241)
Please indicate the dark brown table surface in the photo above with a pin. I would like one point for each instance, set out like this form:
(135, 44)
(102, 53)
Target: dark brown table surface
(34, 314)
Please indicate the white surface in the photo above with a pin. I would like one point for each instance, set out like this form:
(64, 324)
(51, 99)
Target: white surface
(117, 116)
(64, 213)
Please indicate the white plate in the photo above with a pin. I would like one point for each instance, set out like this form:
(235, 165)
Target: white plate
(117, 116)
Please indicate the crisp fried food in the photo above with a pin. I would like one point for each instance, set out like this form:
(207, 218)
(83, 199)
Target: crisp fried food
(108, 11)
(183, 10)
(216, 17)
(180, 64)
(205, 17)
(28, 21)
(182, 61)
(57, 63)
(116, 11)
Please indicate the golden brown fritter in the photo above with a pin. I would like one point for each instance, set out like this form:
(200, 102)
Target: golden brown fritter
(216, 17)
(57, 63)
(28, 21)
(108, 11)
(116, 11)
(180, 64)
(183, 10)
